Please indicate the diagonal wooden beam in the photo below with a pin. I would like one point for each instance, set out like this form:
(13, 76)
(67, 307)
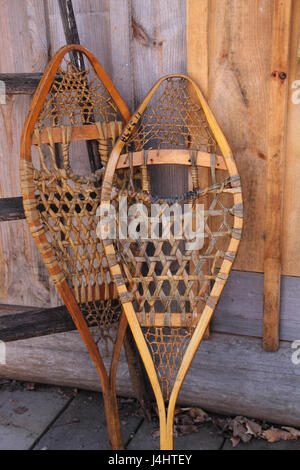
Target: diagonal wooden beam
(71, 32)
(275, 170)
(72, 37)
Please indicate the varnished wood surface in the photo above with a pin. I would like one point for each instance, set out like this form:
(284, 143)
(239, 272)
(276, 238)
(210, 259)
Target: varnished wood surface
(166, 415)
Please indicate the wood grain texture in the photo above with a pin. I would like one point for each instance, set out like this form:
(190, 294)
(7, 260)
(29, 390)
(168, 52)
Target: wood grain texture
(238, 55)
(158, 48)
(31, 323)
(230, 374)
(291, 193)
(239, 69)
(159, 42)
(24, 50)
(11, 208)
(120, 22)
(20, 83)
(92, 19)
(197, 37)
(197, 34)
(15, 309)
(275, 169)
(240, 310)
(166, 413)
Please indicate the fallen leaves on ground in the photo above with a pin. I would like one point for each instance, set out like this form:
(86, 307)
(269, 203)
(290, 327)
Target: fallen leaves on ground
(20, 410)
(30, 386)
(186, 421)
(237, 429)
(242, 429)
(282, 434)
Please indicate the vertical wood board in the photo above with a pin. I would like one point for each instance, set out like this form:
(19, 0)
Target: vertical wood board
(158, 48)
(279, 69)
(23, 278)
(291, 187)
(239, 64)
(238, 53)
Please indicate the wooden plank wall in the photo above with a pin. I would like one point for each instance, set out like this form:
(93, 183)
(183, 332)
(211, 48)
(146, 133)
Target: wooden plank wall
(291, 194)
(276, 153)
(23, 278)
(238, 64)
(230, 46)
(229, 53)
(137, 43)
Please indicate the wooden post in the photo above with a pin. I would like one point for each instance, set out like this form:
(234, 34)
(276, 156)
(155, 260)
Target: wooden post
(275, 170)
(198, 68)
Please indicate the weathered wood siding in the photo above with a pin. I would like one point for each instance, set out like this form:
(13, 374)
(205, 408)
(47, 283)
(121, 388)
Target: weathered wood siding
(136, 41)
(229, 48)
(240, 310)
(238, 35)
(231, 53)
(23, 278)
(291, 195)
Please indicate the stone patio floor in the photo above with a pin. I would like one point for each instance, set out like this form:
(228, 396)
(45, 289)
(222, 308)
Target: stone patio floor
(43, 417)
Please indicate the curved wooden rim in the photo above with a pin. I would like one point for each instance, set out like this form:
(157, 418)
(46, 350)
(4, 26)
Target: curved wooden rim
(45, 85)
(107, 381)
(167, 416)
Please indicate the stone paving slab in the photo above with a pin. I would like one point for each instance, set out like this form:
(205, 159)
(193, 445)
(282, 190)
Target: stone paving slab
(82, 426)
(25, 414)
(204, 439)
(260, 444)
(49, 417)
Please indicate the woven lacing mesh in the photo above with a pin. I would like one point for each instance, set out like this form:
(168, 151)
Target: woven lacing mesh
(162, 276)
(67, 194)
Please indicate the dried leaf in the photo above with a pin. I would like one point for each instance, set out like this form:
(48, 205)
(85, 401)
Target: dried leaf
(253, 428)
(222, 424)
(198, 415)
(20, 410)
(274, 435)
(293, 431)
(178, 411)
(235, 441)
(183, 430)
(239, 430)
(155, 433)
(30, 386)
